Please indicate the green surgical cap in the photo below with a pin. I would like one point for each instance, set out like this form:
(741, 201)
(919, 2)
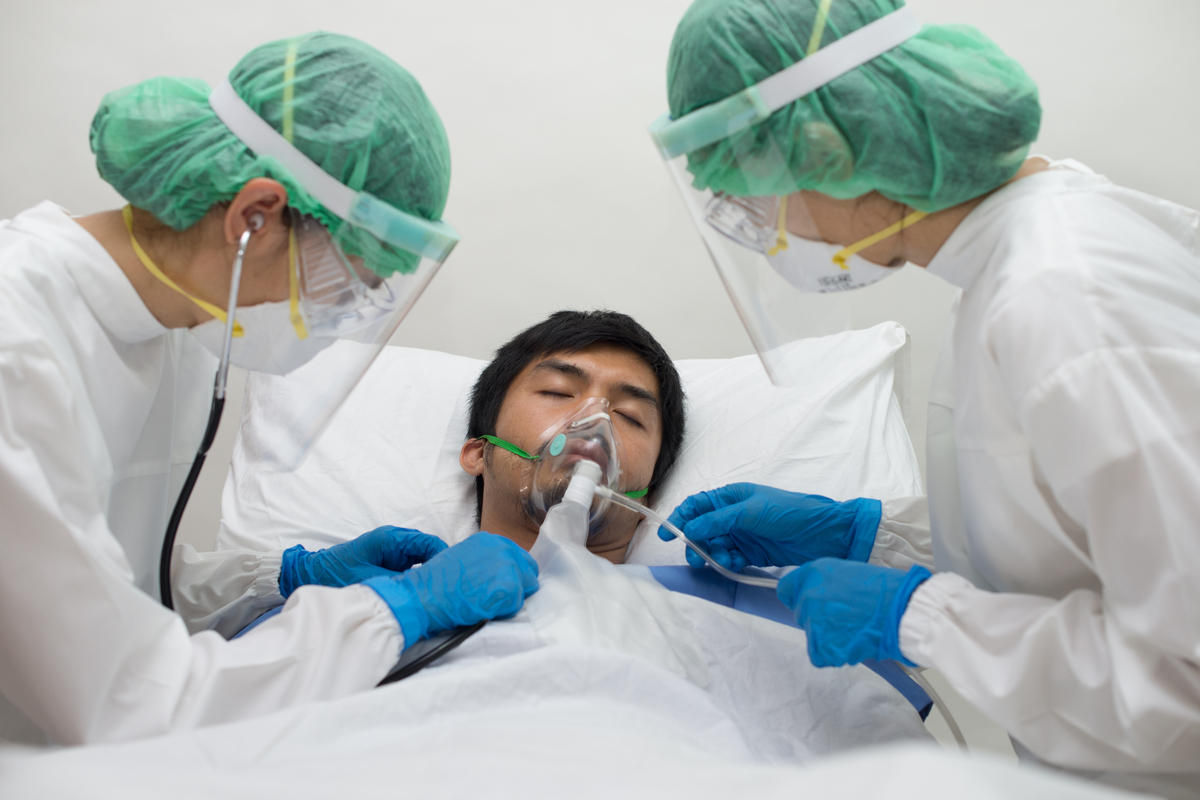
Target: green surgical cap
(937, 121)
(359, 115)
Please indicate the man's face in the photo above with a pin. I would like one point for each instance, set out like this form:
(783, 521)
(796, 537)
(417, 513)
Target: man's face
(546, 392)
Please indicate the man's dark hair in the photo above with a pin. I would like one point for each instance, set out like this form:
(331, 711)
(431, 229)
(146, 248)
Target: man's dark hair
(570, 332)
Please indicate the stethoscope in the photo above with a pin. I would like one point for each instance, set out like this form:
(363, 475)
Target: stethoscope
(417, 658)
(214, 417)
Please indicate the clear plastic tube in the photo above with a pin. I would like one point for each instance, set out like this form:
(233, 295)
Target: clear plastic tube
(633, 505)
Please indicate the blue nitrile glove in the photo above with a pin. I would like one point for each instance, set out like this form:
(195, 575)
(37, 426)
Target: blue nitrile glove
(483, 577)
(744, 523)
(850, 611)
(383, 551)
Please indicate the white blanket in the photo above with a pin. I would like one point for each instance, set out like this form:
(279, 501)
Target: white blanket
(503, 717)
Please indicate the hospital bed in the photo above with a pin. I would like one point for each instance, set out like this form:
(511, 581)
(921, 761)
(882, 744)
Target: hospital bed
(398, 438)
(391, 455)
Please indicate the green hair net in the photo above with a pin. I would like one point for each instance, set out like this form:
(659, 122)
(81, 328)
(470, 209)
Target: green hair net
(937, 121)
(356, 113)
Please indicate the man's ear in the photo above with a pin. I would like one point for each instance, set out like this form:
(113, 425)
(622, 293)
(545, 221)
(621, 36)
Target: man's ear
(470, 458)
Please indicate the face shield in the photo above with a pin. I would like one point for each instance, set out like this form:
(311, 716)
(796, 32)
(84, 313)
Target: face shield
(785, 280)
(341, 308)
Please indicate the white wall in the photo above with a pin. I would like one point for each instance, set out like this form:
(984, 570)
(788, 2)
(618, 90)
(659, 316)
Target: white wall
(560, 198)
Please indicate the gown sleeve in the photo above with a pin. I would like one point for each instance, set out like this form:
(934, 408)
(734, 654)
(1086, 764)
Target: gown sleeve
(1103, 679)
(904, 538)
(88, 656)
(225, 590)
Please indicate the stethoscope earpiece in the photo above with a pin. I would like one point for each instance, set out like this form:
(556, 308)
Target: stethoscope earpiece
(256, 223)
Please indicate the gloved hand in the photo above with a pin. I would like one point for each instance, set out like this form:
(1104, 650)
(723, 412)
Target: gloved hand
(383, 551)
(850, 611)
(483, 577)
(744, 523)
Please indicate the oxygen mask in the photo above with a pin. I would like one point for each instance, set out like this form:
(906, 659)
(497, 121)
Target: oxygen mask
(587, 435)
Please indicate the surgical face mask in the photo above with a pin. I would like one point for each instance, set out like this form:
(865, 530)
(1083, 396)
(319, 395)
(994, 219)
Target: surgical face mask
(760, 224)
(810, 267)
(269, 342)
(269, 337)
(586, 434)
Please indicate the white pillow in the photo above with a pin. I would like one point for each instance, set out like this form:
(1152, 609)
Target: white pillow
(390, 456)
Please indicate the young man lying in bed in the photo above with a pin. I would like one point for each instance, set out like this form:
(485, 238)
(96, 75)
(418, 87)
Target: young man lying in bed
(575, 365)
(602, 646)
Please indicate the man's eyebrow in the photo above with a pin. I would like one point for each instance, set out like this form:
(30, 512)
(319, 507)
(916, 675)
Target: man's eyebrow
(638, 393)
(575, 371)
(562, 367)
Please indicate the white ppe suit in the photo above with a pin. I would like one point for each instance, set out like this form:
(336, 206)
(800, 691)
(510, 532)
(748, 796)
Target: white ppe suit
(101, 412)
(1064, 478)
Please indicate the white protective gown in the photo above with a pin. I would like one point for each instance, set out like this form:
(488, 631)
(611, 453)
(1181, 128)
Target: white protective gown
(101, 412)
(1064, 474)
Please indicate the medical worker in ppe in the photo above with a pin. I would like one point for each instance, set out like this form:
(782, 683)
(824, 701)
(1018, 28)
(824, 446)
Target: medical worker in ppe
(294, 206)
(820, 145)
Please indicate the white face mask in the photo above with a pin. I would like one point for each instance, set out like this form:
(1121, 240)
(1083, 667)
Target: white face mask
(809, 266)
(269, 342)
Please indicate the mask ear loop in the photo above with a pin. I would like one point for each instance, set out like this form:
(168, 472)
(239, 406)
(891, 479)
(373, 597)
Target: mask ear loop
(153, 269)
(840, 257)
(294, 287)
(781, 242)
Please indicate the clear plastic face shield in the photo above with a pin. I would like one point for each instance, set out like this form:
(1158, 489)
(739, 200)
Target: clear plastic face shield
(340, 311)
(786, 281)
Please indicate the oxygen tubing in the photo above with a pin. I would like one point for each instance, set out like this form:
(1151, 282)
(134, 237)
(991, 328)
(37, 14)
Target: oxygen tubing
(632, 505)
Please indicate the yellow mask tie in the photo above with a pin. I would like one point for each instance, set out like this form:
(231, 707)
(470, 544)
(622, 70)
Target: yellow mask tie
(294, 289)
(208, 308)
(863, 244)
(781, 227)
(814, 41)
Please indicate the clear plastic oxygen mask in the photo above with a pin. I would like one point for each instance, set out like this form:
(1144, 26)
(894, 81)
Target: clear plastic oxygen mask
(588, 435)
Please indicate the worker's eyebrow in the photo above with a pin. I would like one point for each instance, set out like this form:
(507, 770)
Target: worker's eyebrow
(561, 367)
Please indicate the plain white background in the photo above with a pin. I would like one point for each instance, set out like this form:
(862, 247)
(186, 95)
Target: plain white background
(561, 200)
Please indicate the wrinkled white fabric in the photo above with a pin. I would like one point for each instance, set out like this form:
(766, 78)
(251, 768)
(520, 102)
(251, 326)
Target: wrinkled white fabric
(1076, 424)
(101, 412)
(504, 696)
(903, 538)
(588, 601)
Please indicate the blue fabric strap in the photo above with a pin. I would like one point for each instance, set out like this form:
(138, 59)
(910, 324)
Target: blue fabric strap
(760, 602)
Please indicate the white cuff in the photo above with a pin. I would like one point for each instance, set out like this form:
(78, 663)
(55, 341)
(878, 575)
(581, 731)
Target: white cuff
(903, 538)
(929, 605)
(266, 578)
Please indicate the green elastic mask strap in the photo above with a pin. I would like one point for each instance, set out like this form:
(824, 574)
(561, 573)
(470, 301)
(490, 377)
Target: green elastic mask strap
(512, 448)
(509, 446)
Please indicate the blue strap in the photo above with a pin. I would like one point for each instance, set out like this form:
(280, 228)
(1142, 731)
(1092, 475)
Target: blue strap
(266, 616)
(761, 602)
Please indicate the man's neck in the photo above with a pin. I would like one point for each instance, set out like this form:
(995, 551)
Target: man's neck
(611, 544)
